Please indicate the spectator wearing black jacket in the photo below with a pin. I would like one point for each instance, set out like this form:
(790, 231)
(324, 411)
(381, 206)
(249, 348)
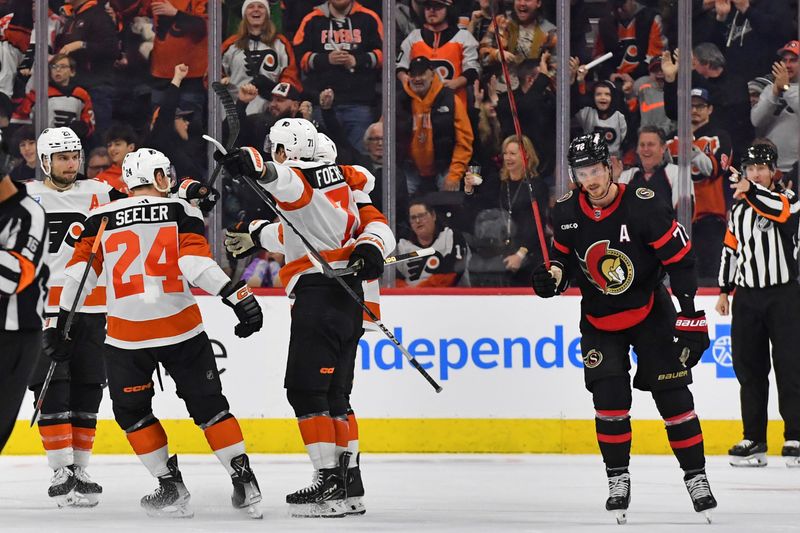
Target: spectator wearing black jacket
(23, 144)
(90, 38)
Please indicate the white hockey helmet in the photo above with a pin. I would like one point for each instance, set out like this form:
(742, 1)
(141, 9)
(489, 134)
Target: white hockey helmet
(139, 168)
(326, 149)
(298, 137)
(53, 141)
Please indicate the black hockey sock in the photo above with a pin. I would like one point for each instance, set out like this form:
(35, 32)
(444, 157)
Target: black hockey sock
(683, 427)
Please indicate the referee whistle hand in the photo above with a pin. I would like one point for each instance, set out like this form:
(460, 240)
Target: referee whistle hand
(740, 188)
(723, 305)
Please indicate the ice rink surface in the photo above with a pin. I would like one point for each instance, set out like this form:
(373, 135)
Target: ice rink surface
(419, 493)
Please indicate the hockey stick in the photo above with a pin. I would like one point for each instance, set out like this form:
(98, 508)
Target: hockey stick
(537, 217)
(389, 261)
(229, 105)
(70, 317)
(329, 272)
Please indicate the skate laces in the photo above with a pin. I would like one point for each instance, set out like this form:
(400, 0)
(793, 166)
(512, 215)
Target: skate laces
(744, 443)
(618, 485)
(61, 475)
(81, 474)
(791, 444)
(698, 487)
(316, 482)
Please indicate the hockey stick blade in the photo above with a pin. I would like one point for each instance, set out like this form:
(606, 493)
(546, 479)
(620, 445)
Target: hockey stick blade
(389, 261)
(233, 125)
(50, 371)
(328, 272)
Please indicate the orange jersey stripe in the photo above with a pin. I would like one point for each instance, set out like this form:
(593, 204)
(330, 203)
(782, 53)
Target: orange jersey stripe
(147, 440)
(305, 197)
(730, 240)
(27, 271)
(370, 213)
(317, 429)
(780, 218)
(374, 307)
(96, 298)
(355, 179)
(83, 438)
(224, 434)
(193, 244)
(292, 268)
(165, 327)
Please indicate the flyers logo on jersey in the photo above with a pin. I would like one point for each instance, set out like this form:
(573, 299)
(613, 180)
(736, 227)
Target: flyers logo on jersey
(610, 270)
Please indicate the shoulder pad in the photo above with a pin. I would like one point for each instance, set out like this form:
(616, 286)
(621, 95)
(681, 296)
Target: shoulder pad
(644, 193)
(565, 197)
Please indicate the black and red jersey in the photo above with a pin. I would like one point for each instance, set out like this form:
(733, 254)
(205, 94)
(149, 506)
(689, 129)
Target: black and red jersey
(619, 254)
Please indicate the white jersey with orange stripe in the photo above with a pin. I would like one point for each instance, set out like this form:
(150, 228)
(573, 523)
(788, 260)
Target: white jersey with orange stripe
(153, 249)
(270, 237)
(330, 206)
(66, 213)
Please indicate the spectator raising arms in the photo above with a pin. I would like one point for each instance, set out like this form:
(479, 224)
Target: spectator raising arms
(434, 134)
(447, 267)
(452, 51)
(68, 105)
(525, 34)
(15, 38)
(340, 45)
(258, 54)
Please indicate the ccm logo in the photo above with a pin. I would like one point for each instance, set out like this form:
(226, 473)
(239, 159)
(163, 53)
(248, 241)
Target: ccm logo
(691, 323)
(243, 293)
(327, 370)
(138, 388)
(574, 225)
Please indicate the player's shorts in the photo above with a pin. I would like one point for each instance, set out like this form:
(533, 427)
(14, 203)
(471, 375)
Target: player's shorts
(326, 328)
(606, 353)
(189, 363)
(86, 365)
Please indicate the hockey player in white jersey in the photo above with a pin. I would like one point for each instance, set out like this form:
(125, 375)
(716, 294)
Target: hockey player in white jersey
(330, 204)
(69, 411)
(152, 250)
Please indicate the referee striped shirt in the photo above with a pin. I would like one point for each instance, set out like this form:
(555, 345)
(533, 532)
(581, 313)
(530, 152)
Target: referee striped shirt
(761, 244)
(23, 274)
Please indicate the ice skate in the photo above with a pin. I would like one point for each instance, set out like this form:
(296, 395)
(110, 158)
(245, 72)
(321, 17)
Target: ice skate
(619, 496)
(325, 497)
(246, 493)
(62, 487)
(355, 490)
(791, 451)
(700, 492)
(170, 499)
(87, 492)
(747, 453)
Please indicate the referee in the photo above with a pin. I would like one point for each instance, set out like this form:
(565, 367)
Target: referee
(23, 278)
(759, 260)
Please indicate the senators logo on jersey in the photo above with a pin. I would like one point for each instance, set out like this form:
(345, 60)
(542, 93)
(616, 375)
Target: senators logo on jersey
(610, 270)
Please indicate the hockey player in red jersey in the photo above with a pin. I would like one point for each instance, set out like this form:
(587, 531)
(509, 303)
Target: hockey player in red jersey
(152, 250)
(618, 243)
(331, 203)
(69, 410)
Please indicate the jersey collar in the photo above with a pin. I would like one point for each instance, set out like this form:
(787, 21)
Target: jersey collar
(597, 214)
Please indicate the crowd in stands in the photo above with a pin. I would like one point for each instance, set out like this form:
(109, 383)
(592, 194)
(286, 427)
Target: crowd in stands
(126, 74)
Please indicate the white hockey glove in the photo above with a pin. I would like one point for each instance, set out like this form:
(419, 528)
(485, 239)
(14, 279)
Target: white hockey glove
(239, 242)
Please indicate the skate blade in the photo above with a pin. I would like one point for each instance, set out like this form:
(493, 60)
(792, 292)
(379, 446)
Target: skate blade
(355, 506)
(85, 500)
(757, 460)
(621, 515)
(793, 462)
(328, 509)
(707, 516)
(253, 512)
(171, 511)
(64, 500)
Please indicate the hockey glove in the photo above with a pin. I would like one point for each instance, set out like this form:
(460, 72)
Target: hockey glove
(56, 342)
(239, 241)
(245, 161)
(239, 296)
(206, 197)
(370, 259)
(546, 283)
(691, 337)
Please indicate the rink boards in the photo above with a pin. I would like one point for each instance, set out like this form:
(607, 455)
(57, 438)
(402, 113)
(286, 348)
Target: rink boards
(510, 365)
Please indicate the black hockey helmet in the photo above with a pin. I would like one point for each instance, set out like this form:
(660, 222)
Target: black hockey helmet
(586, 150)
(760, 154)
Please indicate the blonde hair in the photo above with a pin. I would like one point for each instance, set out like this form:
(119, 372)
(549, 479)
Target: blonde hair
(533, 159)
(268, 34)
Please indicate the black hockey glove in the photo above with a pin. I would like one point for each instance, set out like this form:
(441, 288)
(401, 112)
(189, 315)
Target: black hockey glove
(239, 296)
(691, 337)
(206, 196)
(543, 282)
(57, 343)
(368, 260)
(245, 161)
(239, 241)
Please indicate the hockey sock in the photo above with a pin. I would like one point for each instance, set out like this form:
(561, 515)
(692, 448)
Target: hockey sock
(341, 428)
(150, 445)
(85, 401)
(55, 428)
(683, 427)
(319, 436)
(225, 438)
(352, 444)
(612, 403)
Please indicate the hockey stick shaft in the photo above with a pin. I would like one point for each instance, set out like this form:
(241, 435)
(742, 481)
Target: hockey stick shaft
(389, 261)
(537, 217)
(330, 273)
(233, 123)
(70, 317)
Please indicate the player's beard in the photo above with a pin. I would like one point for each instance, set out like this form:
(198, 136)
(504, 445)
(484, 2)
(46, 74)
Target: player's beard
(62, 184)
(599, 198)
